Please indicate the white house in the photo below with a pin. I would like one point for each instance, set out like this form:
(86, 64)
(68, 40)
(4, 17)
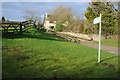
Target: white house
(47, 24)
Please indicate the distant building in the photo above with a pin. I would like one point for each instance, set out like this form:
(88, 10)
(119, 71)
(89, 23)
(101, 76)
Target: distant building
(47, 24)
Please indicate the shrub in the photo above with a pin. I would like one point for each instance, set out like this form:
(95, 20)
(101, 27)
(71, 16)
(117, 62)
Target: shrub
(33, 31)
(59, 27)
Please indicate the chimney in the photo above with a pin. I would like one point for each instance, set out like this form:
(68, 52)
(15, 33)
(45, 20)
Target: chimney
(46, 15)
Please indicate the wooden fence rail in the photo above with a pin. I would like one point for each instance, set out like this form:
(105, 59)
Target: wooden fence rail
(7, 26)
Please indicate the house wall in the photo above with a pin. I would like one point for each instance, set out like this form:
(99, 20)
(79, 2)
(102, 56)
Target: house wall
(47, 23)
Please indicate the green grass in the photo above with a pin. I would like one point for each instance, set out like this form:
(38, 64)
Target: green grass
(107, 42)
(35, 54)
(110, 42)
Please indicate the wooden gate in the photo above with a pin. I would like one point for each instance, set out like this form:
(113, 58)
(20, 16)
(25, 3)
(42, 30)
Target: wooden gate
(8, 26)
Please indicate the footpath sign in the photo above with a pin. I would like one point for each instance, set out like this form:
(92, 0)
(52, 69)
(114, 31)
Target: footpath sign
(95, 21)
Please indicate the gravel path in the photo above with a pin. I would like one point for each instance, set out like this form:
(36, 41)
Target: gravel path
(87, 43)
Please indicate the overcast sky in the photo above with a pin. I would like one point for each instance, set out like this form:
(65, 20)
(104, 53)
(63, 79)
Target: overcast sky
(14, 10)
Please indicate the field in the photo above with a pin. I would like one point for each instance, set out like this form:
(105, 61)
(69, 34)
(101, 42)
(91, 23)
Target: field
(35, 54)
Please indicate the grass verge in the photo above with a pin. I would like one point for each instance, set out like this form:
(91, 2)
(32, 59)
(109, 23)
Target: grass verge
(35, 54)
(107, 42)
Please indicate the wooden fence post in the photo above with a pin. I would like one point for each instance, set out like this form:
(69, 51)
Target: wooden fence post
(20, 27)
(35, 25)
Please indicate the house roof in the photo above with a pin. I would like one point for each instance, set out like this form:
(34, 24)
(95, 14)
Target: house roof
(48, 17)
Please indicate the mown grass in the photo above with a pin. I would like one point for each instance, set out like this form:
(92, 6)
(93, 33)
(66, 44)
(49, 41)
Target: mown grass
(107, 42)
(35, 54)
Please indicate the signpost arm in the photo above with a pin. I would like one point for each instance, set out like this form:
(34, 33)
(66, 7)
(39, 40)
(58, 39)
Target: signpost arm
(99, 40)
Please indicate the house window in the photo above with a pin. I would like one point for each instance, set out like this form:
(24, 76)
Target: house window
(51, 27)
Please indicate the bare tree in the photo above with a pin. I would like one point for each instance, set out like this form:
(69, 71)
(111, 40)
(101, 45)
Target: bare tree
(32, 15)
(66, 16)
(61, 14)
